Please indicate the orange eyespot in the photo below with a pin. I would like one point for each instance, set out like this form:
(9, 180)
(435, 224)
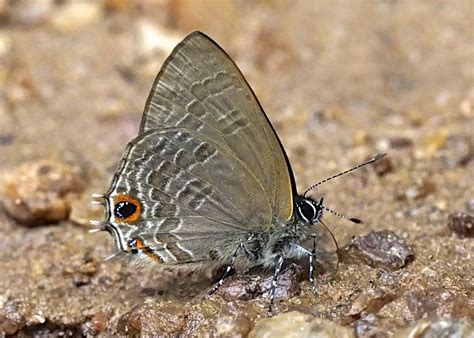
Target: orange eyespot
(127, 208)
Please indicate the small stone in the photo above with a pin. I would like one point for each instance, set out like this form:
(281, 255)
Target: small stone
(440, 327)
(424, 300)
(12, 317)
(296, 324)
(96, 325)
(154, 318)
(369, 326)
(378, 249)
(37, 318)
(461, 224)
(80, 279)
(383, 166)
(235, 325)
(256, 283)
(37, 192)
(10, 327)
(90, 266)
(400, 142)
(74, 15)
(369, 301)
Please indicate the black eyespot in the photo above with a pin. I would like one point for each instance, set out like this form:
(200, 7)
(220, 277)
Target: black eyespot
(132, 243)
(125, 209)
(307, 211)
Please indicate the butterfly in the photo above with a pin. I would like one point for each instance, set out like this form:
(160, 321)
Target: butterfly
(207, 182)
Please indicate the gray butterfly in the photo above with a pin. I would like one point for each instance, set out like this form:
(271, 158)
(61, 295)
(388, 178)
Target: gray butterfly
(207, 183)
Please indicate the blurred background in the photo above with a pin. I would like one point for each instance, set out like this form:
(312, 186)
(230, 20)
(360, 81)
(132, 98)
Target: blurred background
(340, 81)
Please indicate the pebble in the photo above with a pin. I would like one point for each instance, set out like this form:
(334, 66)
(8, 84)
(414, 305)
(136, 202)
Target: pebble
(257, 283)
(400, 142)
(13, 317)
(154, 318)
(461, 224)
(378, 249)
(97, 324)
(438, 327)
(296, 324)
(369, 326)
(233, 325)
(424, 300)
(38, 192)
(79, 279)
(383, 166)
(368, 301)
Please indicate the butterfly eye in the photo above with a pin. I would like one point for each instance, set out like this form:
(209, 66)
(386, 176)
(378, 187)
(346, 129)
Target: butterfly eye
(127, 208)
(307, 211)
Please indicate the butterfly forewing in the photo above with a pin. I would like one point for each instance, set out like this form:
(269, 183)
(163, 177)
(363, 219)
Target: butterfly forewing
(199, 88)
(182, 168)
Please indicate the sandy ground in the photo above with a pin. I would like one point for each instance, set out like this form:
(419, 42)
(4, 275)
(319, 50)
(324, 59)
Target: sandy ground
(340, 81)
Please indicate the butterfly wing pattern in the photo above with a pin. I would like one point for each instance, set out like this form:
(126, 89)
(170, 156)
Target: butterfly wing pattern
(207, 166)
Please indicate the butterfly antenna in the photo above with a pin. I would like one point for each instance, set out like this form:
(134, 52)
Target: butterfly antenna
(353, 220)
(372, 160)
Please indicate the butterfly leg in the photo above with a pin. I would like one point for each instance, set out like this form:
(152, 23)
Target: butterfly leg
(276, 273)
(228, 269)
(311, 260)
(312, 263)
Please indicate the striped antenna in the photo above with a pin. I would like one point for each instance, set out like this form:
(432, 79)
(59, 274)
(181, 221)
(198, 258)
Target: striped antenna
(372, 160)
(353, 220)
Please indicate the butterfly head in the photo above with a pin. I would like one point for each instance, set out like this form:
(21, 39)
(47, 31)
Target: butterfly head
(308, 211)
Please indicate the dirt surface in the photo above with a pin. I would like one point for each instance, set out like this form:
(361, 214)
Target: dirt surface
(340, 81)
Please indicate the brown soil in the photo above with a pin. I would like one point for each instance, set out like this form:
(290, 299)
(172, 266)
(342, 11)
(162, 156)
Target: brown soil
(340, 81)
